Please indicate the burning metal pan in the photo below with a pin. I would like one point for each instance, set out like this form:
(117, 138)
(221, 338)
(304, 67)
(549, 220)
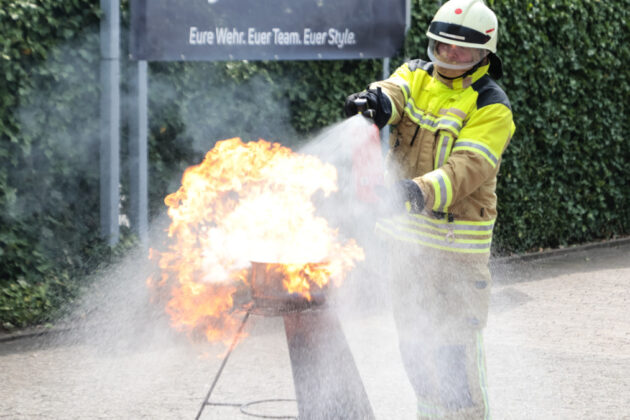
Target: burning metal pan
(271, 297)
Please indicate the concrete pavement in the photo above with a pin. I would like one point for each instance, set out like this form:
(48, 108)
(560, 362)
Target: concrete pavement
(557, 341)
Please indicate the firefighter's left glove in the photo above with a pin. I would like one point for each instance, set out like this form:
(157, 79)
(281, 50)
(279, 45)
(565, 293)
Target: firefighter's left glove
(410, 194)
(378, 107)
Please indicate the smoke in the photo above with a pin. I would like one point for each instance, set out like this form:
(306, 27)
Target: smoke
(216, 101)
(52, 143)
(356, 206)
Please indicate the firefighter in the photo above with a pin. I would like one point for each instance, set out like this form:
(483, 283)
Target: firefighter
(451, 123)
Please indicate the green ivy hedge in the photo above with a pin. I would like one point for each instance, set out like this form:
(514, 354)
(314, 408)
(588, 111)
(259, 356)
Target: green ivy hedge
(564, 178)
(48, 154)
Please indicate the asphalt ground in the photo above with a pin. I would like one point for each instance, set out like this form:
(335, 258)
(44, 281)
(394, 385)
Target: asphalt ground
(557, 343)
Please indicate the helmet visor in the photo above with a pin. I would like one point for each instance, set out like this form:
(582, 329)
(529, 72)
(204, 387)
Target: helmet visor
(454, 57)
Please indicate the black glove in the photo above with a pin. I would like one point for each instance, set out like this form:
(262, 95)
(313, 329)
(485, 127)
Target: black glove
(378, 106)
(409, 192)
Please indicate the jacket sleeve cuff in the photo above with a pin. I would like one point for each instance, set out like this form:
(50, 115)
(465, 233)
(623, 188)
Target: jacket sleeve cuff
(437, 189)
(394, 116)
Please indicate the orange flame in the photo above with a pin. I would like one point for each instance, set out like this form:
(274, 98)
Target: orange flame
(247, 202)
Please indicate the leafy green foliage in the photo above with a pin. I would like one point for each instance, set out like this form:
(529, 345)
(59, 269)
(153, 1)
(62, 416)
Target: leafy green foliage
(565, 175)
(49, 189)
(564, 178)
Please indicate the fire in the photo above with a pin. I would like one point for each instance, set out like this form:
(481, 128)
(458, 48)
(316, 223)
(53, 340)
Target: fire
(247, 202)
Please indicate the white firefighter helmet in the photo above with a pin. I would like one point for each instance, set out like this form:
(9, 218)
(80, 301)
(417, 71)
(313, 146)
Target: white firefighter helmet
(464, 23)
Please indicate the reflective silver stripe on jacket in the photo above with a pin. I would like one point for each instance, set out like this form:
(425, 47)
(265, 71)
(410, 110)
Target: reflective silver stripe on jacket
(429, 122)
(445, 194)
(406, 233)
(407, 90)
(446, 140)
(484, 150)
(457, 226)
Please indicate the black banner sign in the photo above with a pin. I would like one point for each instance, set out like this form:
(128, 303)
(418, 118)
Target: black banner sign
(216, 30)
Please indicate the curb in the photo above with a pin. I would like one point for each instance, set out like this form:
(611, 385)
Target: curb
(560, 251)
(33, 332)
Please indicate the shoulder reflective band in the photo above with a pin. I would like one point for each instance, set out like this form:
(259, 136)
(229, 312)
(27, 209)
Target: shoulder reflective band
(407, 91)
(461, 114)
(458, 33)
(426, 121)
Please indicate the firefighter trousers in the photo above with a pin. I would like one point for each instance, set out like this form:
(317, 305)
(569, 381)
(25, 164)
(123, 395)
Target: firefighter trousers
(440, 306)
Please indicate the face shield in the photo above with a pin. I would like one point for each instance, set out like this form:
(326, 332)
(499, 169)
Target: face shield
(454, 57)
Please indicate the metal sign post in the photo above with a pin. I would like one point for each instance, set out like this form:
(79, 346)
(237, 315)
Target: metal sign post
(138, 152)
(110, 120)
(387, 71)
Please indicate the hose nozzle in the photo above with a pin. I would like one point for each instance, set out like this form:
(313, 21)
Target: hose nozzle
(362, 108)
(361, 104)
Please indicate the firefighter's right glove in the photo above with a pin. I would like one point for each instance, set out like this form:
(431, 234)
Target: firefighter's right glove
(409, 195)
(378, 108)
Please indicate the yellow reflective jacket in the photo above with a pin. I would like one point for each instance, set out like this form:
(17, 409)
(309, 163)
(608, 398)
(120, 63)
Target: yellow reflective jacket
(448, 136)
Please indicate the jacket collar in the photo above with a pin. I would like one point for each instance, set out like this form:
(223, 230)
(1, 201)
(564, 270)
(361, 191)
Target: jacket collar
(462, 82)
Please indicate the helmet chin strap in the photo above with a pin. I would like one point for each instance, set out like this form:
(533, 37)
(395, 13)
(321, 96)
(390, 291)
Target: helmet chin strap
(467, 72)
(449, 78)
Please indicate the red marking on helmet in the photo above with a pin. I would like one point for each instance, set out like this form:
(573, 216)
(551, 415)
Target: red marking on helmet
(458, 11)
(489, 30)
